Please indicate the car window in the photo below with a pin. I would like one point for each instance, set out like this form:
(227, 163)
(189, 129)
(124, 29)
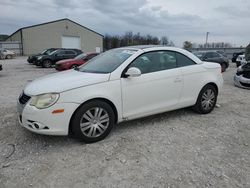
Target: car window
(183, 60)
(69, 52)
(155, 61)
(212, 55)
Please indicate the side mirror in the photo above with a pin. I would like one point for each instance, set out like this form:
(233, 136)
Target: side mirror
(133, 72)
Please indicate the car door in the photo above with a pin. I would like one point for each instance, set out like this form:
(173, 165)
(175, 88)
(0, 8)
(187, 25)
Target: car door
(192, 75)
(59, 55)
(156, 90)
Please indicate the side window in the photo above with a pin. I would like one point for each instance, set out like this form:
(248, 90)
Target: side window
(216, 55)
(70, 52)
(210, 55)
(59, 53)
(155, 61)
(183, 60)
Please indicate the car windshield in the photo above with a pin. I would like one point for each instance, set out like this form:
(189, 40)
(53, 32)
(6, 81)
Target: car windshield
(81, 56)
(108, 61)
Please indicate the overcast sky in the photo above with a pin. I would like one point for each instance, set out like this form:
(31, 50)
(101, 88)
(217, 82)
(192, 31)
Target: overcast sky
(180, 20)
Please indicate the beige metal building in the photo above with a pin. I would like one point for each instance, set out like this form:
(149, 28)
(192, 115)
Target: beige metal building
(63, 33)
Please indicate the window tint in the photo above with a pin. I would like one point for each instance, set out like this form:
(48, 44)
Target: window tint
(212, 55)
(155, 61)
(183, 61)
(69, 52)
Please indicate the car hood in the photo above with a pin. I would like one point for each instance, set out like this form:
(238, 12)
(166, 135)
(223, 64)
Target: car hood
(63, 81)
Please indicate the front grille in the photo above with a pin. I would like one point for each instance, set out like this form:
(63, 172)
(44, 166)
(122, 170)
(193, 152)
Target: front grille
(23, 99)
(245, 84)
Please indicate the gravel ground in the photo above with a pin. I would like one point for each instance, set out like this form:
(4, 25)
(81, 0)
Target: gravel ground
(174, 149)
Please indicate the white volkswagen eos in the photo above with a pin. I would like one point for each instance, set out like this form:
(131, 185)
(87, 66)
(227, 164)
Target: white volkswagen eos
(118, 85)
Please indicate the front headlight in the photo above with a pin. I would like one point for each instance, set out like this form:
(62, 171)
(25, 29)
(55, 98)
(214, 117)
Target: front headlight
(39, 58)
(44, 100)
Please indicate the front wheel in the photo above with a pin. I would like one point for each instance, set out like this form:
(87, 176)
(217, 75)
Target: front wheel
(206, 100)
(46, 63)
(74, 66)
(8, 56)
(93, 121)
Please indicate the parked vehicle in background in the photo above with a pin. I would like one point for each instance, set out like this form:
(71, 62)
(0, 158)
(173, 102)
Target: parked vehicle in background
(6, 54)
(242, 76)
(118, 85)
(240, 60)
(46, 61)
(74, 63)
(1, 67)
(212, 56)
(235, 55)
(33, 58)
(222, 53)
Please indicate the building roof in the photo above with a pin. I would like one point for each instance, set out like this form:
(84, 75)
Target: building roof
(64, 19)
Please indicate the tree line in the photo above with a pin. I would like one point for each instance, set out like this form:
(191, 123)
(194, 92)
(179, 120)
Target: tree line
(131, 39)
(190, 45)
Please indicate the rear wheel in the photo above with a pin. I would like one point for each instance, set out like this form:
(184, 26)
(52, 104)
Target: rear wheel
(206, 100)
(46, 63)
(93, 121)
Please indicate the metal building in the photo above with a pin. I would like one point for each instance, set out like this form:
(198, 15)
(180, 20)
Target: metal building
(63, 33)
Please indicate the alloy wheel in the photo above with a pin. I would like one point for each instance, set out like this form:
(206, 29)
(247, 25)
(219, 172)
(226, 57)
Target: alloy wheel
(208, 99)
(94, 122)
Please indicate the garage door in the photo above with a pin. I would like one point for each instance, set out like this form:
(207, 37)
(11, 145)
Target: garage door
(71, 42)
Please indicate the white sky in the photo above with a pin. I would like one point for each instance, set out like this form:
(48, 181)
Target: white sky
(180, 20)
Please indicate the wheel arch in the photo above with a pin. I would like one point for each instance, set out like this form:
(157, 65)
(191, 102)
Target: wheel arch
(213, 84)
(90, 100)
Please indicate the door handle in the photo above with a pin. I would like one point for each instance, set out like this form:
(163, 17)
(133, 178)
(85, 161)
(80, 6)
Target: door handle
(177, 80)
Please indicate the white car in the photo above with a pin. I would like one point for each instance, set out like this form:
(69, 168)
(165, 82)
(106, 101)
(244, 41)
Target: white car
(6, 54)
(118, 85)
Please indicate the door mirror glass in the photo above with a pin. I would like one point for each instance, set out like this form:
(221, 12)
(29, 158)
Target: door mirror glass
(133, 72)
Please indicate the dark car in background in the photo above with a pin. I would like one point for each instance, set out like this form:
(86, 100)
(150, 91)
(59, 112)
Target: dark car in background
(235, 55)
(46, 61)
(212, 56)
(33, 58)
(1, 67)
(74, 63)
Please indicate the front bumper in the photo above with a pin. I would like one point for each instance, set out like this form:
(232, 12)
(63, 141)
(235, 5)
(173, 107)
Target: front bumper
(42, 121)
(241, 81)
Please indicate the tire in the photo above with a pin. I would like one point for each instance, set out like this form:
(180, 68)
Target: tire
(205, 105)
(46, 63)
(86, 124)
(223, 67)
(74, 66)
(8, 56)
